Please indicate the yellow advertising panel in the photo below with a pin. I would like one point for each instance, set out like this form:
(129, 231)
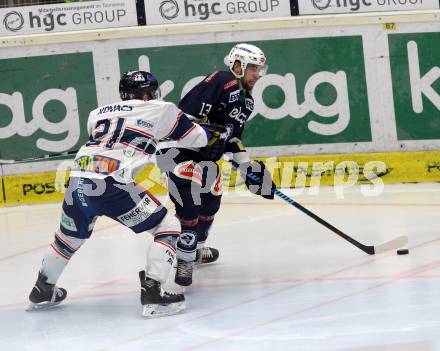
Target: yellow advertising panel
(1, 192)
(32, 188)
(395, 167)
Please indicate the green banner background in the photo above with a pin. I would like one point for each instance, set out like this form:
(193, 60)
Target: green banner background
(32, 76)
(410, 124)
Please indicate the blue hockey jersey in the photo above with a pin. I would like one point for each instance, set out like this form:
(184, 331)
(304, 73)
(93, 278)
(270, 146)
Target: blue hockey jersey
(219, 99)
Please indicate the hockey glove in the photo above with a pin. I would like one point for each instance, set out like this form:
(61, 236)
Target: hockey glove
(216, 141)
(260, 182)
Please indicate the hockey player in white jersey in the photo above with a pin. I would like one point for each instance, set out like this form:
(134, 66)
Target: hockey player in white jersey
(123, 136)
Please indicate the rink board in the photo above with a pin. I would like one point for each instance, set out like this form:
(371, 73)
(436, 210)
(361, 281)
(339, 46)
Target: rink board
(288, 172)
(45, 187)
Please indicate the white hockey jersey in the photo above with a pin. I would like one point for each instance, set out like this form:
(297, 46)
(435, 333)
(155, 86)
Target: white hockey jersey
(124, 136)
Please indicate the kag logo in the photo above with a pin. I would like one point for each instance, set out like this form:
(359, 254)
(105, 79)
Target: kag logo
(169, 9)
(13, 21)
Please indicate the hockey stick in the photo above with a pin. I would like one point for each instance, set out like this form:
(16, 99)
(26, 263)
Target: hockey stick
(39, 158)
(369, 249)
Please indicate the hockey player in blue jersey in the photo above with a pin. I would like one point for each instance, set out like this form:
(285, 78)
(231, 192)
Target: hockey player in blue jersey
(224, 98)
(123, 137)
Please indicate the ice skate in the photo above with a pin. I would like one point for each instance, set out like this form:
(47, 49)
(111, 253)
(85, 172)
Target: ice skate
(184, 272)
(206, 255)
(158, 303)
(44, 295)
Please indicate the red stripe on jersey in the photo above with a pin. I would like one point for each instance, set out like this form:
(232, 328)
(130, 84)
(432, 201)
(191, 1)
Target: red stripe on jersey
(150, 195)
(140, 131)
(230, 84)
(167, 232)
(153, 198)
(187, 132)
(166, 245)
(174, 126)
(212, 75)
(134, 147)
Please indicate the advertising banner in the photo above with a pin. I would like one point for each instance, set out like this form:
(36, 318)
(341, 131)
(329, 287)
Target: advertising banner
(67, 17)
(44, 103)
(317, 7)
(415, 72)
(181, 11)
(31, 189)
(303, 100)
(392, 167)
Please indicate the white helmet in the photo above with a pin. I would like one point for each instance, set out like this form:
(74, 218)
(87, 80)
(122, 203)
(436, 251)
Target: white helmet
(246, 54)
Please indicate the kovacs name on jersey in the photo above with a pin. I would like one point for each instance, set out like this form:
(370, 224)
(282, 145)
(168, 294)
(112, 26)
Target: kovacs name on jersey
(115, 108)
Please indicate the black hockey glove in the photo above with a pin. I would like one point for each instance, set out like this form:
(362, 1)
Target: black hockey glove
(259, 180)
(216, 141)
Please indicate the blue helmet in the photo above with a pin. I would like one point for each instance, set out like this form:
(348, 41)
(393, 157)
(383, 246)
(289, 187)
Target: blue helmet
(134, 85)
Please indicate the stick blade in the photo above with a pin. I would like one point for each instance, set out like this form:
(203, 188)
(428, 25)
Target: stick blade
(391, 245)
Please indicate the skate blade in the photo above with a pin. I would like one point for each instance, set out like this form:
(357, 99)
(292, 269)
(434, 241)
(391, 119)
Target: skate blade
(156, 310)
(41, 306)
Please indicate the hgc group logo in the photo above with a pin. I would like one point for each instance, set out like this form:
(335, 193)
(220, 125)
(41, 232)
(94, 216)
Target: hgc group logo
(204, 10)
(13, 21)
